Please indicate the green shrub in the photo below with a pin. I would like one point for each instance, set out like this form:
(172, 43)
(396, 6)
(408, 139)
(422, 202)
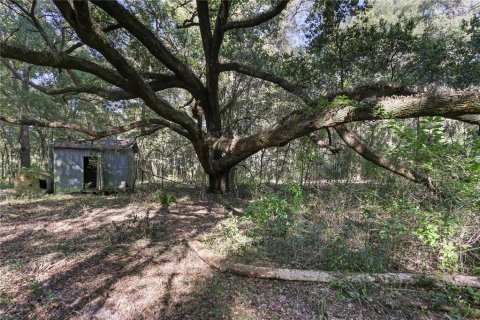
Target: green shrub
(165, 198)
(463, 302)
(270, 210)
(35, 286)
(6, 299)
(438, 230)
(277, 212)
(295, 191)
(5, 184)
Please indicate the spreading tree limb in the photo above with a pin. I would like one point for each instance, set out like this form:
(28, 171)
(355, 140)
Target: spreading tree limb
(259, 19)
(393, 166)
(260, 74)
(38, 122)
(455, 105)
(143, 34)
(80, 20)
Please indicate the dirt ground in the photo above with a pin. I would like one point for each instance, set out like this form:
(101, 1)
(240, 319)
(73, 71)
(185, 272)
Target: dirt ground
(125, 257)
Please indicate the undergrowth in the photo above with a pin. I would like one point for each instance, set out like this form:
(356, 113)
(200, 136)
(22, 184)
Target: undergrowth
(355, 229)
(132, 229)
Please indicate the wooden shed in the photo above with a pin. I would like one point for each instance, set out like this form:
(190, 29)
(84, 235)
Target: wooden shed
(100, 165)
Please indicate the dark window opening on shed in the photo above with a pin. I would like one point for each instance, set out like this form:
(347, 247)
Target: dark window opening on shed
(90, 165)
(43, 184)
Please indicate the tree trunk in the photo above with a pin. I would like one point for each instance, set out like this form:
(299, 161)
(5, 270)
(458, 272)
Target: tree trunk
(25, 159)
(220, 182)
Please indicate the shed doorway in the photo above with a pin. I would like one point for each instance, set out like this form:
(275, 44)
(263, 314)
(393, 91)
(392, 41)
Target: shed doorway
(90, 170)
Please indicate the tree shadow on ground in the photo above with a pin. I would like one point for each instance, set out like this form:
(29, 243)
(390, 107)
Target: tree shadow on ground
(95, 268)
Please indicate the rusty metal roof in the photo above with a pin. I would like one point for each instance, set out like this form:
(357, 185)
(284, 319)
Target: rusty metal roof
(102, 144)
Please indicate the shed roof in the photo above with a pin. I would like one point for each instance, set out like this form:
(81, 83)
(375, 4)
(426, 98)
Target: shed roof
(102, 144)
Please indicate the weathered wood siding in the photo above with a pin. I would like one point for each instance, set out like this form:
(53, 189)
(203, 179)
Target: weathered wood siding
(116, 169)
(68, 169)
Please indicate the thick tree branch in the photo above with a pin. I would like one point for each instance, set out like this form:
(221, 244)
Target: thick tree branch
(79, 19)
(357, 93)
(149, 131)
(95, 134)
(372, 90)
(161, 82)
(219, 31)
(212, 44)
(108, 94)
(453, 105)
(130, 23)
(62, 61)
(396, 167)
(205, 27)
(259, 19)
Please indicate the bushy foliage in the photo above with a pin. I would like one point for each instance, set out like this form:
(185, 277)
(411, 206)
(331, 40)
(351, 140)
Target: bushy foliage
(434, 146)
(276, 211)
(165, 198)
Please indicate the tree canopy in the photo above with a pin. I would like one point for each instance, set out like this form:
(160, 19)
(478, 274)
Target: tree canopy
(209, 70)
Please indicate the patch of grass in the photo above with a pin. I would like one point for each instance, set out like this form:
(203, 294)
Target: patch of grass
(6, 299)
(16, 264)
(457, 301)
(368, 258)
(353, 291)
(227, 237)
(35, 286)
(131, 230)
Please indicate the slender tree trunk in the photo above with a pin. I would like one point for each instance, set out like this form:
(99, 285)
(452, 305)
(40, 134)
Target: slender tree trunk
(10, 167)
(2, 175)
(418, 131)
(43, 148)
(262, 155)
(25, 158)
(284, 161)
(24, 138)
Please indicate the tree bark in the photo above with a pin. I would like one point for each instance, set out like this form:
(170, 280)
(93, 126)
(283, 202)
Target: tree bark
(25, 158)
(326, 276)
(396, 167)
(220, 182)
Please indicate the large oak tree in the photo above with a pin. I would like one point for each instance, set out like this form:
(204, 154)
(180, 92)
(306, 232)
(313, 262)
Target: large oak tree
(105, 40)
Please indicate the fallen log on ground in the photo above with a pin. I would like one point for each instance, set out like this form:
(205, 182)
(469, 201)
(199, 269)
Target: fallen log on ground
(326, 276)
